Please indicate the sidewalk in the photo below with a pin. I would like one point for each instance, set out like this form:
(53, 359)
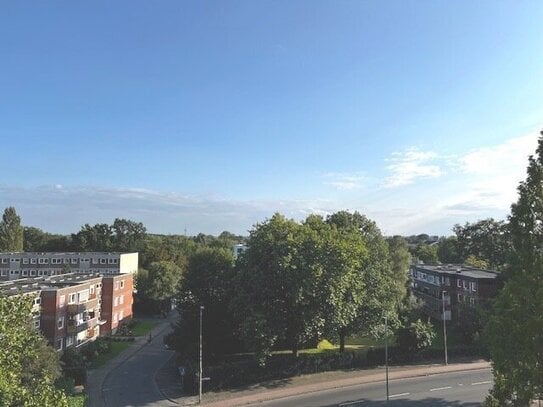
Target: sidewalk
(316, 382)
(96, 377)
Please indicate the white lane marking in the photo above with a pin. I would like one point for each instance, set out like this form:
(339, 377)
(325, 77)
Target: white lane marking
(460, 384)
(350, 403)
(399, 395)
(478, 383)
(441, 388)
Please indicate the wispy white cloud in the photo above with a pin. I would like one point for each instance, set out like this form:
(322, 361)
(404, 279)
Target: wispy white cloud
(345, 181)
(412, 164)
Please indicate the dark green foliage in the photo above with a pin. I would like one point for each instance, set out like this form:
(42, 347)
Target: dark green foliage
(11, 231)
(486, 240)
(427, 254)
(123, 235)
(447, 250)
(415, 336)
(515, 330)
(73, 363)
(25, 379)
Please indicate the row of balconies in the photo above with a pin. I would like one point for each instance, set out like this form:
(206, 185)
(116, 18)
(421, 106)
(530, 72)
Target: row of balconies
(91, 303)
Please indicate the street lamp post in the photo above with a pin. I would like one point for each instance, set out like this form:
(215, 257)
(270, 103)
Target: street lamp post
(386, 356)
(444, 326)
(200, 372)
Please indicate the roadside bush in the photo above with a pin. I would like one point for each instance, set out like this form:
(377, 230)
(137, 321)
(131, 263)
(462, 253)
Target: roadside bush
(73, 366)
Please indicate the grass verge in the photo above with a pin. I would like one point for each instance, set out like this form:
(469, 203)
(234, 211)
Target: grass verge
(143, 327)
(77, 400)
(114, 350)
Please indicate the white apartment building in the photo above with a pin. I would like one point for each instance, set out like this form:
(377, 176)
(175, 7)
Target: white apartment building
(22, 265)
(239, 249)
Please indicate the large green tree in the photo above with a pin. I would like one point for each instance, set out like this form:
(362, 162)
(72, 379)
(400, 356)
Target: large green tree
(279, 297)
(207, 282)
(26, 371)
(11, 231)
(160, 281)
(515, 330)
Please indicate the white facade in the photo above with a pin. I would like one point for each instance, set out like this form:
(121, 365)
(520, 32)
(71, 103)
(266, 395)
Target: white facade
(239, 249)
(22, 265)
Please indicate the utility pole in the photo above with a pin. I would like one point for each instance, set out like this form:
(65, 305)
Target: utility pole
(444, 327)
(200, 372)
(386, 355)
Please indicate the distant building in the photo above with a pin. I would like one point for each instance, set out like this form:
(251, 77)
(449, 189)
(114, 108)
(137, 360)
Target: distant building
(458, 284)
(239, 249)
(76, 308)
(22, 265)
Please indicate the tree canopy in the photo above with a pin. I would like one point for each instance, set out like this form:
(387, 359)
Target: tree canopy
(11, 231)
(515, 330)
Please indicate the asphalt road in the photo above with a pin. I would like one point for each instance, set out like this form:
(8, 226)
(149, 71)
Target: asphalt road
(461, 389)
(132, 383)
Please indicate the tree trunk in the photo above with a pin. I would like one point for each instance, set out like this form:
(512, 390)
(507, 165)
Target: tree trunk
(342, 335)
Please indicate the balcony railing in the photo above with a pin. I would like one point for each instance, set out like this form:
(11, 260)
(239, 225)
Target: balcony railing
(91, 303)
(74, 327)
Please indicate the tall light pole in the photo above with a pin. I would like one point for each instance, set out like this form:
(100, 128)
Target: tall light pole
(386, 355)
(200, 372)
(444, 326)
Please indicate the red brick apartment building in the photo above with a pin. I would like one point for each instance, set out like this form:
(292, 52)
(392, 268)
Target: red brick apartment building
(76, 308)
(444, 288)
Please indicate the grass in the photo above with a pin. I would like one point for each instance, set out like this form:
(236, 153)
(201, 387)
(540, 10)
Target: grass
(358, 344)
(142, 327)
(114, 350)
(77, 400)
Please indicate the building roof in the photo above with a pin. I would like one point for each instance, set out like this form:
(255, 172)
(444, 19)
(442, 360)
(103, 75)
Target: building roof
(459, 270)
(24, 285)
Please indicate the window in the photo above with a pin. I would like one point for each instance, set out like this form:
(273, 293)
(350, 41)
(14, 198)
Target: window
(121, 300)
(69, 341)
(15, 260)
(459, 297)
(12, 272)
(71, 298)
(60, 323)
(32, 272)
(115, 301)
(465, 284)
(102, 261)
(121, 283)
(115, 317)
(37, 301)
(25, 260)
(36, 322)
(66, 261)
(94, 261)
(25, 273)
(121, 315)
(62, 301)
(91, 289)
(32, 261)
(116, 285)
(74, 261)
(472, 301)
(474, 287)
(4, 261)
(459, 283)
(4, 272)
(40, 273)
(115, 261)
(59, 344)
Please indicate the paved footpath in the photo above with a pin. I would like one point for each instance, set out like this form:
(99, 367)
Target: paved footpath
(304, 384)
(97, 377)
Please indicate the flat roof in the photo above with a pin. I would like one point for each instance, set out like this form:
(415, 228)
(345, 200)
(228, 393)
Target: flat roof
(457, 269)
(45, 282)
(63, 253)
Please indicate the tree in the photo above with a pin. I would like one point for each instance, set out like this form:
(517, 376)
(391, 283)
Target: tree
(25, 379)
(277, 297)
(415, 336)
(207, 282)
(447, 250)
(159, 282)
(400, 258)
(476, 262)
(93, 238)
(384, 285)
(486, 240)
(128, 236)
(515, 330)
(11, 231)
(427, 254)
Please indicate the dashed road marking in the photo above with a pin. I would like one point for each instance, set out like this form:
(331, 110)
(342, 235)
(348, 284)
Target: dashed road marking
(478, 383)
(399, 395)
(350, 403)
(441, 388)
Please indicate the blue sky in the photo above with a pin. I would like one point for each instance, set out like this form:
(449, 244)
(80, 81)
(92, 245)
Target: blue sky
(214, 115)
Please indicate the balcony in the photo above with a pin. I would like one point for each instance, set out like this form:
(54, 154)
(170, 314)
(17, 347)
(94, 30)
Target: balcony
(91, 303)
(75, 328)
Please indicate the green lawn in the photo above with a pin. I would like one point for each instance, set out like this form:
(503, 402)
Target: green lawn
(115, 349)
(143, 327)
(353, 344)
